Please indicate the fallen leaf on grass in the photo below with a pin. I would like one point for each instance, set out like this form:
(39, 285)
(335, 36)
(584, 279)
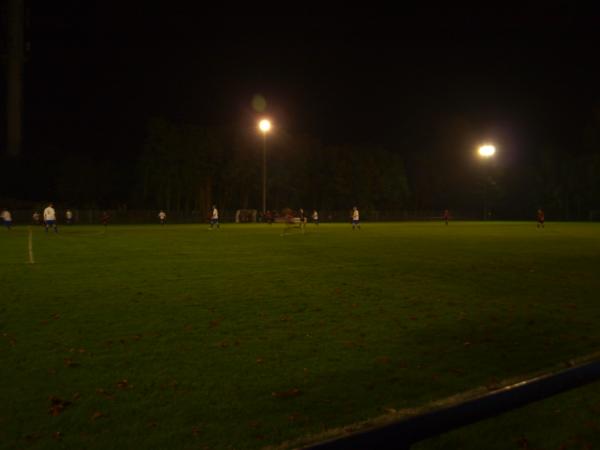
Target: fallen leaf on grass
(214, 323)
(195, 431)
(32, 437)
(170, 384)
(259, 360)
(57, 405)
(97, 415)
(57, 435)
(383, 359)
(105, 393)
(254, 423)
(123, 384)
(294, 392)
(78, 350)
(70, 363)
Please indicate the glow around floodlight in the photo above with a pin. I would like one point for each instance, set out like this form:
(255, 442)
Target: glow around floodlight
(487, 151)
(264, 125)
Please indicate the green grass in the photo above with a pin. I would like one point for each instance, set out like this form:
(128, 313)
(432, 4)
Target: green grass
(242, 338)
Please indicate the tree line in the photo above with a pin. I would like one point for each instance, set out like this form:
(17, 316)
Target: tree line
(187, 167)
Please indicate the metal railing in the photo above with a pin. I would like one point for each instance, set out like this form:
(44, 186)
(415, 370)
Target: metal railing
(404, 433)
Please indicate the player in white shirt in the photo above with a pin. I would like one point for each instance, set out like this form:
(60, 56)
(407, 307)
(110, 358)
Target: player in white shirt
(355, 219)
(7, 218)
(214, 218)
(315, 217)
(69, 216)
(50, 218)
(162, 216)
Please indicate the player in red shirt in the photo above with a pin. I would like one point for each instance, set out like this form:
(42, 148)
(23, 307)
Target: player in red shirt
(540, 218)
(446, 216)
(105, 218)
(269, 217)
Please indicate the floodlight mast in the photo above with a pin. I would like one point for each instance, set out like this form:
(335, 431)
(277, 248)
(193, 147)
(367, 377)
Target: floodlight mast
(486, 152)
(265, 126)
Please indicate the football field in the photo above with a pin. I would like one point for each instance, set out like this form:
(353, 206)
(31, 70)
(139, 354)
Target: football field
(179, 337)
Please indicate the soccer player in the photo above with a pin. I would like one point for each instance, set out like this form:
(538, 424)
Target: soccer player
(540, 218)
(50, 218)
(269, 217)
(315, 217)
(69, 217)
(301, 215)
(446, 216)
(355, 218)
(214, 219)
(303, 219)
(293, 220)
(36, 218)
(105, 218)
(162, 216)
(7, 218)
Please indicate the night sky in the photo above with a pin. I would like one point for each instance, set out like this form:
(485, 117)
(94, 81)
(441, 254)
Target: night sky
(97, 71)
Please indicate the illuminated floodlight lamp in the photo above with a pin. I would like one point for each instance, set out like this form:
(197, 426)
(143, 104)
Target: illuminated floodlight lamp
(264, 125)
(487, 151)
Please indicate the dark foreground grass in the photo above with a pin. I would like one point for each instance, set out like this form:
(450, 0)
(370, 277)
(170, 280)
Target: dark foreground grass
(179, 337)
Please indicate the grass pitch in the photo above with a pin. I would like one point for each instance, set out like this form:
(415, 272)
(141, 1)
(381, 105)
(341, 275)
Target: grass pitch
(179, 337)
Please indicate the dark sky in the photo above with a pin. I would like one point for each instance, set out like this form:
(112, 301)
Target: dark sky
(98, 70)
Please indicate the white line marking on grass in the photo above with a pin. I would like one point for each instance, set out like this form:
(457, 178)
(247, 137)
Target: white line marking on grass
(31, 260)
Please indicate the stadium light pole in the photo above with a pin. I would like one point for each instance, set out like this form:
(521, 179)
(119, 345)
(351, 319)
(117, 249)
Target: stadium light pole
(265, 126)
(486, 152)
